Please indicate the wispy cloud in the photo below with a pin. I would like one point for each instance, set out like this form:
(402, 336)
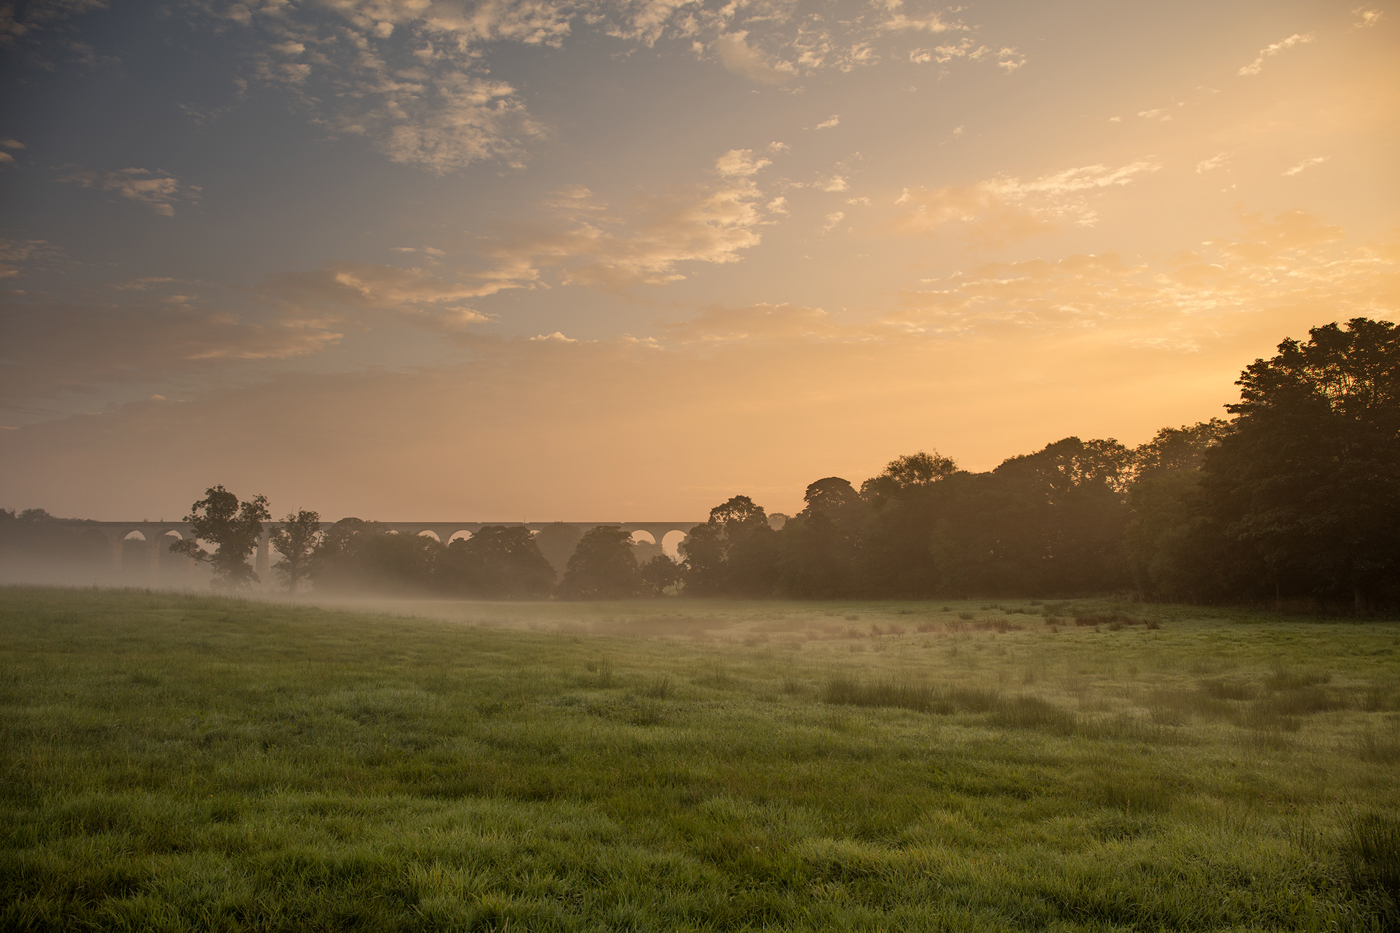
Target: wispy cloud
(414, 78)
(157, 190)
(1256, 66)
(1366, 17)
(18, 256)
(5, 157)
(1286, 260)
(749, 62)
(834, 120)
(1214, 162)
(967, 48)
(1004, 210)
(54, 349)
(647, 241)
(1305, 164)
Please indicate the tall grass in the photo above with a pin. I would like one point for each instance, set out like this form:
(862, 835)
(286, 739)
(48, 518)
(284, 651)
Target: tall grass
(183, 762)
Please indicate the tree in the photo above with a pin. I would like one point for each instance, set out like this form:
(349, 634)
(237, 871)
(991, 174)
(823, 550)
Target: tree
(733, 554)
(817, 550)
(233, 527)
(498, 562)
(1308, 480)
(602, 566)
(296, 541)
(1174, 449)
(659, 574)
(909, 472)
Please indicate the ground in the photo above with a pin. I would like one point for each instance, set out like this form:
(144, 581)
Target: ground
(174, 761)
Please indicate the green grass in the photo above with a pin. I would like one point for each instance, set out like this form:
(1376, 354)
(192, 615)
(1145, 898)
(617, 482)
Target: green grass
(186, 762)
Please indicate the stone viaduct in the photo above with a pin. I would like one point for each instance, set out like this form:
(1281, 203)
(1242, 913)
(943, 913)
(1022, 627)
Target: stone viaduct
(156, 536)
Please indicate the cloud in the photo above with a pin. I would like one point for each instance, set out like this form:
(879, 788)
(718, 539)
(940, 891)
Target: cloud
(740, 162)
(408, 77)
(414, 78)
(18, 256)
(969, 49)
(39, 28)
(56, 349)
(896, 20)
(1366, 18)
(1004, 210)
(341, 287)
(1290, 260)
(1214, 162)
(834, 183)
(160, 191)
(588, 242)
(827, 124)
(1306, 163)
(1256, 66)
(833, 220)
(739, 57)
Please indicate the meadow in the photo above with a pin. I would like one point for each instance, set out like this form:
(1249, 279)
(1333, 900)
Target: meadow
(177, 762)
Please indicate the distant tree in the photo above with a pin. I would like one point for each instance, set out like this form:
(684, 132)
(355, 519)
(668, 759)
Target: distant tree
(296, 541)
(906, 473)
(602, 566)
(233, 527)
(1308, 480)
(1170, 548)
(817, 549)
(36, 515)
(1175, 449)
(556, 542)
(498, 562)
(659, 574)
(733, 554)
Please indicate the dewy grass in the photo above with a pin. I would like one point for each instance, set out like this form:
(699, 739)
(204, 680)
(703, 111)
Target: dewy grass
(181, 762)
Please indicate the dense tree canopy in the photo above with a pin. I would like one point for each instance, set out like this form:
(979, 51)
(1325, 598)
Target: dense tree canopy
(1307, 484)
(296, 541)
(602, 566)
(233, 527)
(497, 562)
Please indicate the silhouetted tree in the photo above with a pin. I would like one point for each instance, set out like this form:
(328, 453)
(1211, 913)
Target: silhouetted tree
(1175, 449)
(1308, 482)
(818, 548)
(659, 574)
(556, 542)
(233, 527)
(906, 502)
(296, 541)
(1171, 548)
(497, 562)
(906, 473)
(602, 566)
(733, 554)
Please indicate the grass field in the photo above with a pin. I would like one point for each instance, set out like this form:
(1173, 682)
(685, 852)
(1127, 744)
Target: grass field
(184, 762)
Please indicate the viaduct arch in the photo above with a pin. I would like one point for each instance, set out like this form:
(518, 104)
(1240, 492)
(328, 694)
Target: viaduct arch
(157, 536)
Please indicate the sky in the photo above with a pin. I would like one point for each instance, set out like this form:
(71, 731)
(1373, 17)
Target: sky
(597, 260)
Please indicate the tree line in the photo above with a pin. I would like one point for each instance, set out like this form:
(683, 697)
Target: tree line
(1294, 497)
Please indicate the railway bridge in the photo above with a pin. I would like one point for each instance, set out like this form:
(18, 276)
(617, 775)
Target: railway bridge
(148, 542)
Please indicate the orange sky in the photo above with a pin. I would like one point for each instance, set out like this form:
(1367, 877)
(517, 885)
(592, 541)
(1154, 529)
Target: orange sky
(582, 261)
